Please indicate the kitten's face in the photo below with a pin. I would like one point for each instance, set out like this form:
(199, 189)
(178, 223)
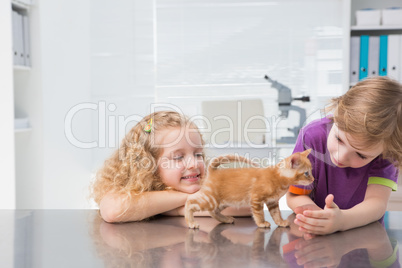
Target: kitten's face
(302, 166)
(304, 178)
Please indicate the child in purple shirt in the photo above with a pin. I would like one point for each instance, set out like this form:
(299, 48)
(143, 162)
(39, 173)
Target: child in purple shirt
(356, 153)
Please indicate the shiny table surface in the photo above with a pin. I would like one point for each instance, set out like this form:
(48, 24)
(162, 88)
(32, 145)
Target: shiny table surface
(79, 238)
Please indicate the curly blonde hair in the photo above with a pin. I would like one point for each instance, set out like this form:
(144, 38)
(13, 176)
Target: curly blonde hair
(133, 168)
(371, 111)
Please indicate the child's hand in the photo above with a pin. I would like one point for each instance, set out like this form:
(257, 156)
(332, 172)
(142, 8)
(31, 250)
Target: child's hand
(301, 209)
(326, 221)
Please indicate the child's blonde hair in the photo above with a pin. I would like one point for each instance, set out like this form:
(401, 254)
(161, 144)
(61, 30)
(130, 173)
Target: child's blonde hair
(133, 168)
(371, 111)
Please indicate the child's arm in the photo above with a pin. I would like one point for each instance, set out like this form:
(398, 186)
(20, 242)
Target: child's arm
(299, 203)
(332, 219)
(118, 208)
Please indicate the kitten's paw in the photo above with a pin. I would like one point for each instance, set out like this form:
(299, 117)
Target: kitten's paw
(193, 225)
(283, 223)
(264, 224)
(228, 219)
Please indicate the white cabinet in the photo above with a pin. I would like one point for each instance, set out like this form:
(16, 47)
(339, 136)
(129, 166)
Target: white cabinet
(20, 110)
(376, 31)
(7, 161)
(20, 20)
(41, 167)
(27, 110)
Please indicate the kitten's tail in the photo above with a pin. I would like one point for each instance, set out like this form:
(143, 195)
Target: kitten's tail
(226, 159)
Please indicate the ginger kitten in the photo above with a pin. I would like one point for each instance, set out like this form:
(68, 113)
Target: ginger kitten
(252, 187)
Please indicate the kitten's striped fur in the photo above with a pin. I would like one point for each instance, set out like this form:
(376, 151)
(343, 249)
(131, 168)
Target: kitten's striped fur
(254, 187)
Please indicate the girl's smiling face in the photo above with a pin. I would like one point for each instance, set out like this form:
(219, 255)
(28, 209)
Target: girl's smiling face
(343, 152)
(181, 164)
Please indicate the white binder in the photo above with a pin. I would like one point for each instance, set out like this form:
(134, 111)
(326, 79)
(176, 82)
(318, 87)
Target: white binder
(393, 59)
(18, 39)
(27, 46)
(374, 55)
(16, 53)
(354, 58)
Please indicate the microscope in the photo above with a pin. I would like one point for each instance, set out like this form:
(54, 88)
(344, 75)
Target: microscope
(285, 105)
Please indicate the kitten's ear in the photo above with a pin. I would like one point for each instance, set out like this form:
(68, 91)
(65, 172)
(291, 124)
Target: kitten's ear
(295, 160)
(306, 152)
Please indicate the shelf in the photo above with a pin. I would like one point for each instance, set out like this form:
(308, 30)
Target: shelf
(376, 28)
(22, 130)
(22, 68)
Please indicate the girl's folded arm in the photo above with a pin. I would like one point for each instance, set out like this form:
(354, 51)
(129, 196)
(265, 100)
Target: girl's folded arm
(294, 201)
(371, 209)
(121, 208)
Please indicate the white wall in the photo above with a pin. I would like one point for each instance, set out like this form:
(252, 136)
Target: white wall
(107, 60)
(122, 69)
(221, 50)
(92, 53)
(65, 63)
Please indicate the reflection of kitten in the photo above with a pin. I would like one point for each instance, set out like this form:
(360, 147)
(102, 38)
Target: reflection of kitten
(252, 248)
(248, 187)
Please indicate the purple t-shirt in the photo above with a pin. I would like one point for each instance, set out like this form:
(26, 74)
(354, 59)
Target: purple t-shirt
(348, 185)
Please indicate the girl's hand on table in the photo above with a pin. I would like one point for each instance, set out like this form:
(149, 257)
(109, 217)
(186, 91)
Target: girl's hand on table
(320, 221)
(301, 209)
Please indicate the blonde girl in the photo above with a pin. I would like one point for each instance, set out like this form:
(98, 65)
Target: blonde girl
(356, 153)
(159, 164)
